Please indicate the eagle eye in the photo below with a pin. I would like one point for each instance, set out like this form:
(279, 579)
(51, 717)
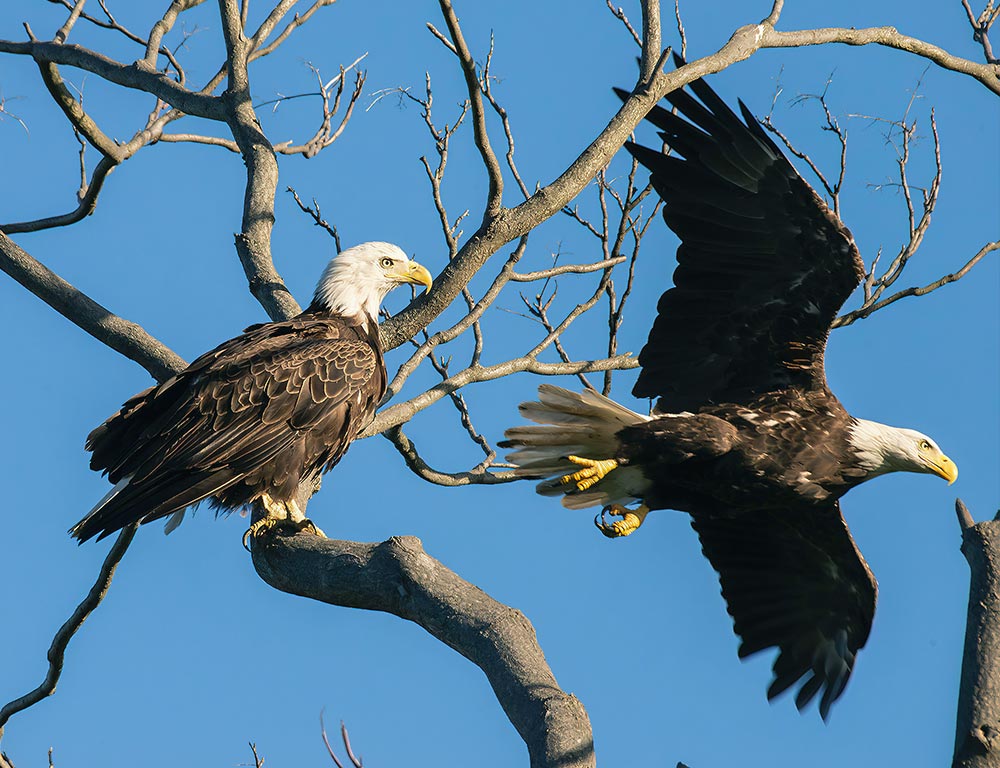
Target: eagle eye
(924, 445)
(386, 263)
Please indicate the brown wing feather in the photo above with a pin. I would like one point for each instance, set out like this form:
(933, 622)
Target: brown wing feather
(763, 265)
(244, 406)
(795, 580)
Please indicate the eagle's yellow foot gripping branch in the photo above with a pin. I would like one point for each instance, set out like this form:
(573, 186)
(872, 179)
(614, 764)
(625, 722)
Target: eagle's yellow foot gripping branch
(280, 515)
(267, 524)
(591, 474)
(630, 521)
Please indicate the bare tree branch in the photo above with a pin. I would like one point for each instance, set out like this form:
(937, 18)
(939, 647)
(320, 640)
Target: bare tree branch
(355, 760)
(987, 74)
(477, 476)
(859, 314)
(57, 650)
(295, 23)
(87, 205)
(253, 243)
(126, 338)
(317, 217)
(258, 761)
(399, 577)
(652, 50)
(977, 739)
(461, 50)
(981, 27)
(135, 76)
(832, 126)
(162, 27)
(619, 13)
(400, 413)
(64, 30)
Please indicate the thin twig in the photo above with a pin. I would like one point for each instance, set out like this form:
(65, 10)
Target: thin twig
(318, 220)
(981, 27)
(860, 314)
(57, 650)
(258, 762)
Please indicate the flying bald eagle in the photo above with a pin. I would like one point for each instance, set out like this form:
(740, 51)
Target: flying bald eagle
(745, 436)
(259, 415)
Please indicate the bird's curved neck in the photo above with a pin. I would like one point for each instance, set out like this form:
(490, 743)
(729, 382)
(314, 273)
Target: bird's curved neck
(875, 446)
(343, 292)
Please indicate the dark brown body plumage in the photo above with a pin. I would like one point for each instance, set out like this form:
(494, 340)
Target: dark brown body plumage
(261, 413)
(746, 436)
(762, 453)
(763, 268)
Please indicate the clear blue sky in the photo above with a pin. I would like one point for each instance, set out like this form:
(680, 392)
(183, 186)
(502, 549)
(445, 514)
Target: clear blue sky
(191, 656)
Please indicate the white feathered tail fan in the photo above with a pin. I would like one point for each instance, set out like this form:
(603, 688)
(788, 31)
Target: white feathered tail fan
(581, 424)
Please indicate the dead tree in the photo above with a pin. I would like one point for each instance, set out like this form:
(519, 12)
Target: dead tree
(397, 576)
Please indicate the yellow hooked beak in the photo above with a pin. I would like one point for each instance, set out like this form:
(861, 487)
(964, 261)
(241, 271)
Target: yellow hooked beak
(942, 466)
(413, 273)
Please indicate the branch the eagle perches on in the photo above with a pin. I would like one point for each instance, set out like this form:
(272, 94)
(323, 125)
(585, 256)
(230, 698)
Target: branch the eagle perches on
(397, 576)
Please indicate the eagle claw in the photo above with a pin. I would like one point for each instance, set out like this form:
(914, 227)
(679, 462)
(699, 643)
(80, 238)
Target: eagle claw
(630, 521)
(594, 470)
(268, 525)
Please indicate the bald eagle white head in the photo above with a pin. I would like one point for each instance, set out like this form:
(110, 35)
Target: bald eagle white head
(882, 449)
(357, 279)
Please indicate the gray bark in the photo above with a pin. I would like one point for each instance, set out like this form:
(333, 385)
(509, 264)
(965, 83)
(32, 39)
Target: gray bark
(398, 577)
(977, 735)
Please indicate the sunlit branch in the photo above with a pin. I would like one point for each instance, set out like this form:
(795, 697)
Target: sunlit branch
(126, 338)
(987, 74)
(400, 413)
(253, 243)
(477, 476)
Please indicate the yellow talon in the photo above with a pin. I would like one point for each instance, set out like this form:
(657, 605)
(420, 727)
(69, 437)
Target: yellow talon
(268, 524)
(263, 525)
(594, 470)
(630, 521)
(280, 515)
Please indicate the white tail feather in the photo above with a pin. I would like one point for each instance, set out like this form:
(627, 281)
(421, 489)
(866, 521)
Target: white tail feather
(574, 424)
(118, 488)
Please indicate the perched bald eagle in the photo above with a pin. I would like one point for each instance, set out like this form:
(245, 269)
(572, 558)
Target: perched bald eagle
(745, 436)
(259, 415)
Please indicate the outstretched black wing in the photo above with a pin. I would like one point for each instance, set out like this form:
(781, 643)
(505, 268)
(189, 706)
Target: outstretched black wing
(257, 412)
(763, 265)
(794, 580)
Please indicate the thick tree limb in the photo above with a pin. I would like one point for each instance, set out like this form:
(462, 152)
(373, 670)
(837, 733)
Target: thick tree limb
(136, 76)
(253, 243)
(890, 37)
(977, 735)
(123, 336)
(398, 577)
(652, 51)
